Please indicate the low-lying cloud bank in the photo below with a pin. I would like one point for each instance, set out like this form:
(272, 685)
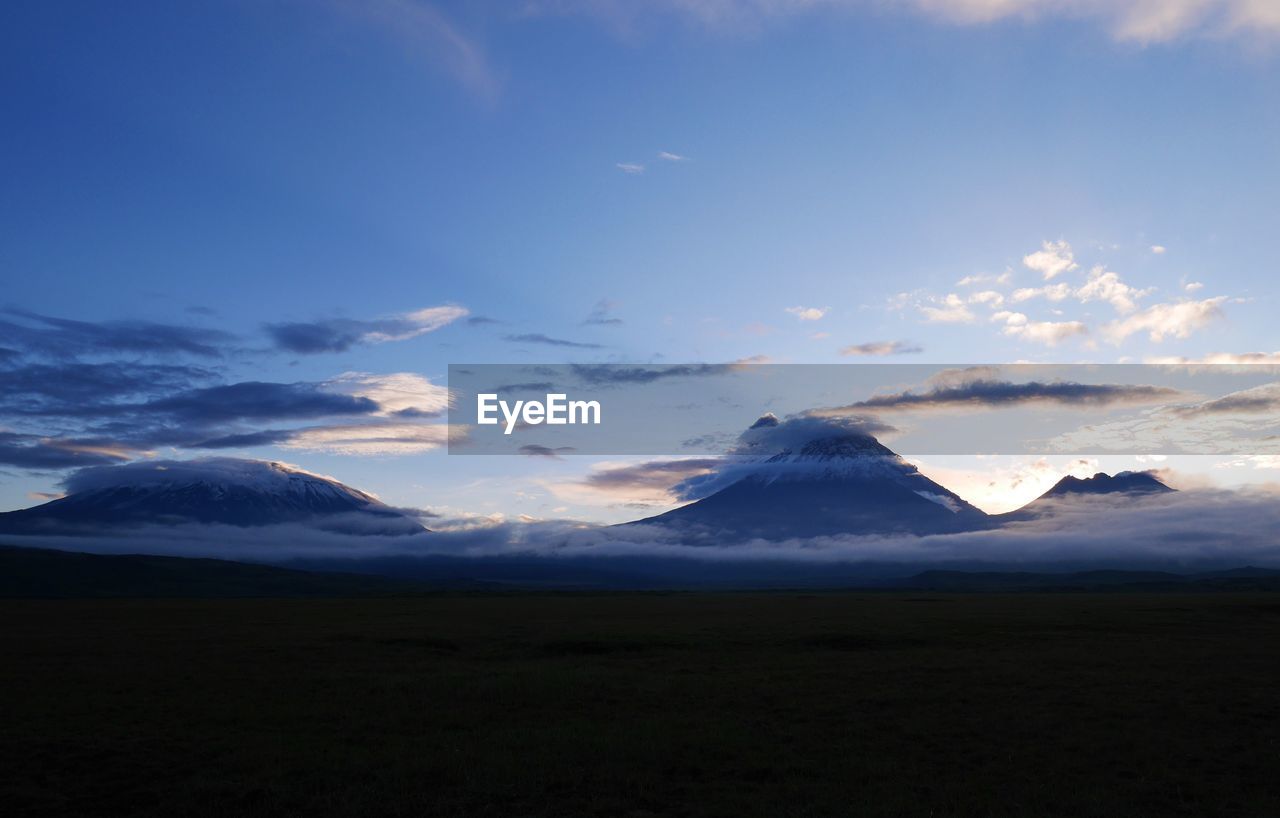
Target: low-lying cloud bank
(1189, 529)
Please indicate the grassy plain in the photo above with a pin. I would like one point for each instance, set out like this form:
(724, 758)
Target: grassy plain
(634, 704)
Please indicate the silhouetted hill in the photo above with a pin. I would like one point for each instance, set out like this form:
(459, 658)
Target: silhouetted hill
(1238, 579)
(44, 573)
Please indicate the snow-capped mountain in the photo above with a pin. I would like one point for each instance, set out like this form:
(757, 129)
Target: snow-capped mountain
(843, 484)
(226, 491)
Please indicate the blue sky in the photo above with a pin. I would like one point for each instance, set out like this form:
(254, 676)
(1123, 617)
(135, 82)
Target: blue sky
(240, 165)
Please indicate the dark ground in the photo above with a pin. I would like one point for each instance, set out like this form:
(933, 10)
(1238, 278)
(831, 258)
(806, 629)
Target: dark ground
(644, 704)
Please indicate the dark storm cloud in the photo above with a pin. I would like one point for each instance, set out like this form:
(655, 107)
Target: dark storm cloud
(35, 452)
(539, 338)
(991, 393)
(255, 400)
(61, 337)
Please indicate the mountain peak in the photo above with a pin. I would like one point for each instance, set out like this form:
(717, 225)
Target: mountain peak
(836, 482)
(1125, 482)
(219, 490)
(837, 447)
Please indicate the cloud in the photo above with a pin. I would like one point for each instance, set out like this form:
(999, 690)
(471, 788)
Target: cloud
(426, 33)
(667, 156)
(1052, 292)
(997, 487)
(535, 450)
(405, 394)
(244, 440)
(882, 348)
(609, 374)
(1103, 285)
(985, 278)
(539, 338)
(953, 310)
(646, 484)
(985, 393)
(1050, 333)
(631, 168)
(1192, 286)
(256, 400)
(74, 389)
(44, 335)
(1159, 249)
(1051, 260)
(376, 438)
(1224, 358)
(991, 298)
(1258, 399)
(601, 314)
(340, 334)
(36, 452)
(808, 313)
(1141, 21)
(1172, 320)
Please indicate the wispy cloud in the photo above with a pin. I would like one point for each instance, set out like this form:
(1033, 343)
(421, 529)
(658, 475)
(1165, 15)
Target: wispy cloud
(340, 334)
(983, 393)
(40, 452)
(985, 278)
(45, 335)
(1141, 21)
(1223, 358)
(881, 348)
(1177, 319)
(667, 156)
(371, 439)
(633, 168)
(428, 34)
(401, 394)
(539, 338)
(808, 313)
(602, 314)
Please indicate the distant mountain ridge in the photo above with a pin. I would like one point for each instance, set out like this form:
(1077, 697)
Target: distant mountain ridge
(1125, 482)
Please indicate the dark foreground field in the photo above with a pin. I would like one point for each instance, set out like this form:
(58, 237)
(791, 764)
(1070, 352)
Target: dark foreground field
(642, 705)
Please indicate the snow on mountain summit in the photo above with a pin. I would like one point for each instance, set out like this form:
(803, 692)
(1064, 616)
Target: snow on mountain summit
(227, 491)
